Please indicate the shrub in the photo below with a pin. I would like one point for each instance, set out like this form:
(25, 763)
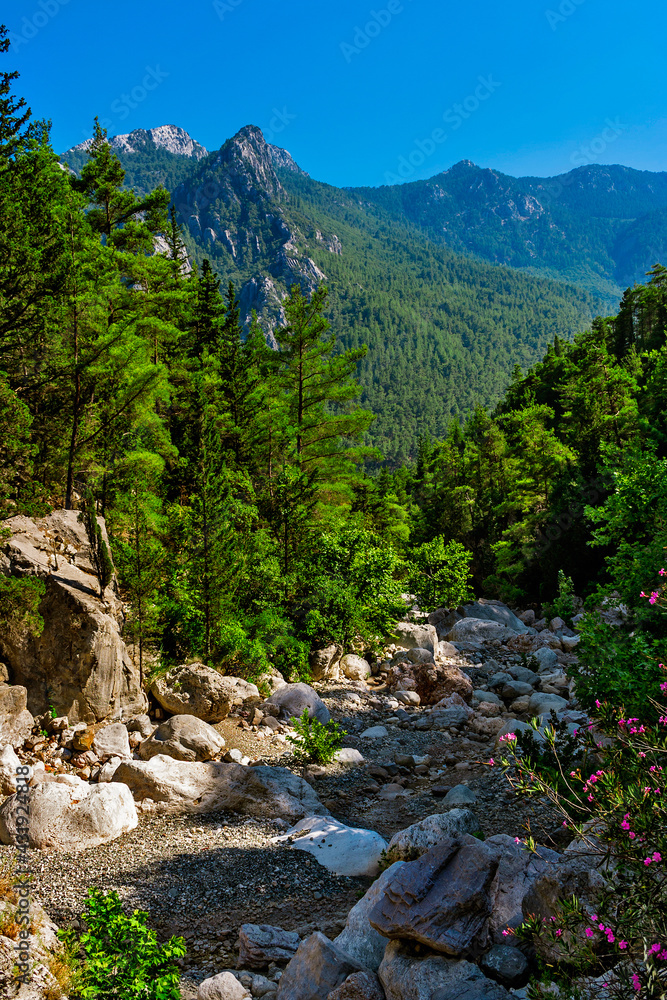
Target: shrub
(441, 574)
(122, 959)
(316, 742)
(19, 607)
(607, 781)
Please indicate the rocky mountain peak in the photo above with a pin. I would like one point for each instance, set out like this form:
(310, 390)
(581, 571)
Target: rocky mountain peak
(172, 138)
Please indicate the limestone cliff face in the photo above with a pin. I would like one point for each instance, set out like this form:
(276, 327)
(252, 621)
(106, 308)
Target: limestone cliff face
(79, 664)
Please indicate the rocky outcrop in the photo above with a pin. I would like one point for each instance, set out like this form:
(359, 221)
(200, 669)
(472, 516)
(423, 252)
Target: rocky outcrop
(16, 721)
(406, 976)
(79, 664)
(261, 944)
(163, 785)
(411, 843)
(358, 939)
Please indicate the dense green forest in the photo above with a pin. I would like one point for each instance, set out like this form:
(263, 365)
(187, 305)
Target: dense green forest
(231, 475)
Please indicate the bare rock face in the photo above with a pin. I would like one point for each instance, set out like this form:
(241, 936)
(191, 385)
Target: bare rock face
(325, 663)
(163, 785)
(195, 689)
(79, 664)
(416, 636)
(358, 939)
(443, 900)
(359, 986)
(411, 843)
(431, 681)
(406, 976)
(317, 968)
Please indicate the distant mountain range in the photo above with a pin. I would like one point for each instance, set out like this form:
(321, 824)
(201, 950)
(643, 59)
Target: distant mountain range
(413, 269)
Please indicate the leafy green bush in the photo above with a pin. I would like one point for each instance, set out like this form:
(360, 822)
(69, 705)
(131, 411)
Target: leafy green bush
(615, 666)
(253, 644)
(441, 574)
(122, 959)
(564, 606)
(315, 742)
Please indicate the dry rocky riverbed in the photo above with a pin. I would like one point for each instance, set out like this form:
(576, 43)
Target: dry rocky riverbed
(203, 876)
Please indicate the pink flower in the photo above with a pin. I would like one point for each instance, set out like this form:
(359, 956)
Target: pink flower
(491, 762)
(657, 856)
(654, 949)
(622, 945)
(636, 982)
(559, 932)
(662, 572)
(590, 932)
(653, 598)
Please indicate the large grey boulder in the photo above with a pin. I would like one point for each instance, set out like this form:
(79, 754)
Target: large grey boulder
(519, 871)
(164, 785)
(292, 699)
(442, 900)
(79, 664)
(224, 986)
(261, 944)
(358, 939)
(411, 843)
(494, 611)
(111, 741)
(478, 630)
(317, 968)
(343, 850)
(506, 965)
(406, 976)
(544, 704)
(183, 737)
(16, 721)
(412, 636)
(546, 659)
(68, 814)
(195, 689)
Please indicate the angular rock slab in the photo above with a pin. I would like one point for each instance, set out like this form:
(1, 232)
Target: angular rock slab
(163, 785)
(519, 871)
(317, 968)
(16, 721)
(112, 741)
(183, 737)
(358, 939)
(443, 900)
(478, 630)
(343, 850)
(261, 944)
(359, 986)
(406, 976)
(494, 611)
(293, 699)
(411, 843)
(69, 815)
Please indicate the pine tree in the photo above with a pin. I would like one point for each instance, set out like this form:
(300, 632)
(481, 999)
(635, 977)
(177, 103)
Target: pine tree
(98, 548)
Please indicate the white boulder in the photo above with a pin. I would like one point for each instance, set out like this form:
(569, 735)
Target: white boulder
(343, 850)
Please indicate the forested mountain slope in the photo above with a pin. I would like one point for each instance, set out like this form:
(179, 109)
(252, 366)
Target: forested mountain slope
(444, 331)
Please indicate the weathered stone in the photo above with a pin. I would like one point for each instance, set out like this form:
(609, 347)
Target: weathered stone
(261, 944)
(443, 899)
(358, 939)
(16, 721)
(412, 636)
(195, 689)
(375, 732)
(141, 724)
(359, 986)
(183, 737)
(293, 699)
(506, 965)
(111, 741)
(494, 611)
(518, 872)
(411, 843)
(460, 795)
(224, 986)
(527, 617)
(431, 681)
(343, 850)
(163, 785)
(355, 668)
(79, 664)
(348, 755)
(317, 968)
(69, 815)
(325, 663)
(478, 630)
(446, 718)
(544, 704)
(545, 658)
(406, 976)
(516, 689)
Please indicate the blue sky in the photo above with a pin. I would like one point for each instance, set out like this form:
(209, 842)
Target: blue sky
(359, 92)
